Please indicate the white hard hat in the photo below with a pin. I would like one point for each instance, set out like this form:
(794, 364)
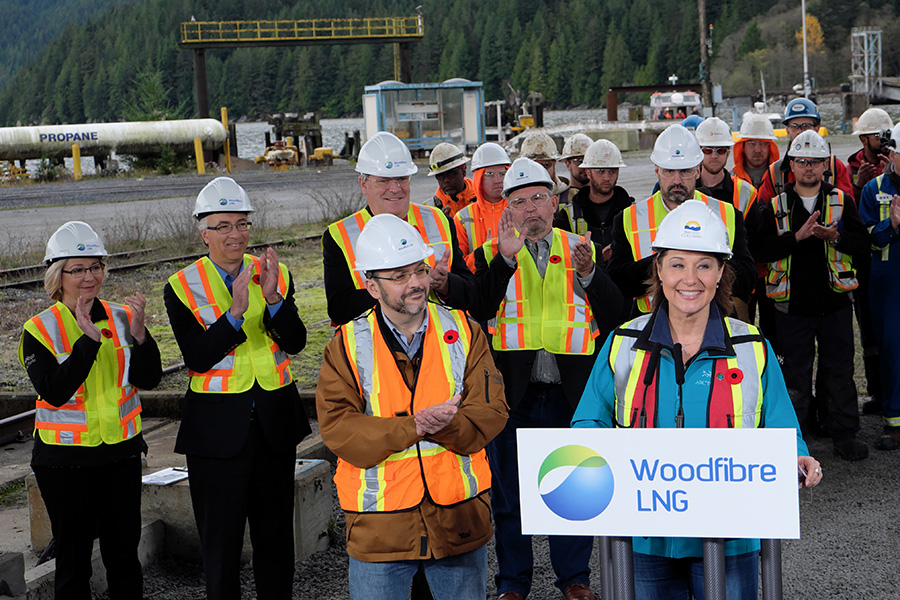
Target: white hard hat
(523, 173)
(222, 194)
(489, 155)
(873, 120)
(809, 144)
(445, 157)
(714, 132)
(676, 148)
(602, 154)
(756, 127)
(75, 239)
(537, 145)
(576, 145)
(692, 226)
(388, 242)
(385, 155)
(895, 137)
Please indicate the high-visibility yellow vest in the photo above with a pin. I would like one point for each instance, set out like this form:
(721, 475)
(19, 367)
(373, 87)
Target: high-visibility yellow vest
(736, 395)
(105, 408)
(428, 221)
(553, 313)
(884, 212)
(201, 288)
(426, 468)
(841, 275)
(744, 194)
(642, 219)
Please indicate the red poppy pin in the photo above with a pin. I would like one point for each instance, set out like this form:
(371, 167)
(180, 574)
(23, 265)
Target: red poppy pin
(451, 336)
(555, 259)
(256, 279)
(106, 333)
(734, 376)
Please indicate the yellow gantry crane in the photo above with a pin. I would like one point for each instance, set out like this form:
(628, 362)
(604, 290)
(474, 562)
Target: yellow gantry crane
(200, 35)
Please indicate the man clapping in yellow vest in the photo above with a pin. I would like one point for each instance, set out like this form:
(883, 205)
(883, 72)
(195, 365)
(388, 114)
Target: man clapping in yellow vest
(407, 398)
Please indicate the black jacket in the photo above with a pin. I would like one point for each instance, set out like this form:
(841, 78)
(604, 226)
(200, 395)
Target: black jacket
(606, 303)
(345, 302)
(600, 228)
(811, 295)
(216, 425)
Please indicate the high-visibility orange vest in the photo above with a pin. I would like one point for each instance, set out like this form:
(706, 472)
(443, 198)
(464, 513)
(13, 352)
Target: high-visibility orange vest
(105, 408)
(744, 194)
(841, 274)
(425, 469)
(476, 221)
(641, 220)
(201, 288)
(430, 222)
(553, 313)
(735, 397)
(464, 198)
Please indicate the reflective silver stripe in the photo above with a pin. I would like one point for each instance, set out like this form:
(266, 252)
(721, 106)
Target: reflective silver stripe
(456, 351)
(66, 437)
(466, 467)
(432, 231)
(129, 405)
(426, 445)
(195, 287)
(370, 494)
(352, 229)
(624, 362)
(578, 333)
(130, 429)
(365, 359)
(643, 234)
(227, 362)
(123, 329)
(745, 193)
(465, 218)
(215, 384)
(750, 384)
(48, 320)
(60, 417)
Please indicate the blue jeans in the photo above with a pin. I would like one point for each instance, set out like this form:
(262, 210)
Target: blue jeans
(541, 406)
(460, 577)
(661, 578)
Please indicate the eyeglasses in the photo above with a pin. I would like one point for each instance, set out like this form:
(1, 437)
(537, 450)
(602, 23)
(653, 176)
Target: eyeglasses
(720, 151)
(575, 160)
(603, 170)
(537, 201)
(420, 273)
(684, 173)
(801, 126)
(80, 272)
(387, 181)
(226, 228)
(808, 162)
(493, 174)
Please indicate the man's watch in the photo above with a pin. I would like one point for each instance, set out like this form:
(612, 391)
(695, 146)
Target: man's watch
(836, 240)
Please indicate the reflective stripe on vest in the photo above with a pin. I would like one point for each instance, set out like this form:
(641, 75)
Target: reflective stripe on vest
(744, 195)
(259, 358)
(552, 313)
(575, 216)
(403, 479)
(642, 219)
(841, 275)
(105, 407)
(735, 381)
(884, 212)
(430, 222)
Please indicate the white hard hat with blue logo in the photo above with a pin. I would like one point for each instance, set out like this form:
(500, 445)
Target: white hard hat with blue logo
(692, 226)
(222, 194)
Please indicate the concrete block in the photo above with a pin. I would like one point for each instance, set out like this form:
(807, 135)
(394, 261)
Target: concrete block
(624, 139)
(12, 574)
(314, 447)
(40, 581)
(312, 507)
(38, 519)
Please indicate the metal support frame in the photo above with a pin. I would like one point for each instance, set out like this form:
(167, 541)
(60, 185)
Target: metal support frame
(714, 568)
(865, 60)
(770, 565)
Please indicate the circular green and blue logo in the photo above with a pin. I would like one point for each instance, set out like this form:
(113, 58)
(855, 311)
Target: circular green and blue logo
(575, 483)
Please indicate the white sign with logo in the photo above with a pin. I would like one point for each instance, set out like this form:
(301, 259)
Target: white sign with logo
(706, 483)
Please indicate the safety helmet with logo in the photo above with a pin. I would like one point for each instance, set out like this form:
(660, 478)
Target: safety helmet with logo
(809, 144)
(602, 154)
(537, 145)
(692, 226)
(576, 145)
(489, 155)
(800, 107)
(756, 127)
(692, 122)
(74, 239)
(525, 172)
(222, 194)
(676, 148)
(445, 157)
(714, 132)
(385, 155)
(874, 120)
(388, 242)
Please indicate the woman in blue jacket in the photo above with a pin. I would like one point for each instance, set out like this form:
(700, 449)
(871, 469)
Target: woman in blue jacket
(678, 367)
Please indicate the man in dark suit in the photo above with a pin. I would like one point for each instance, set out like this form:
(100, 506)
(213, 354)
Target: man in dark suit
(234, 318)
(549, 309)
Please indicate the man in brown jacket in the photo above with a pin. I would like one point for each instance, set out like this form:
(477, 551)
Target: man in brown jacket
(408, 397)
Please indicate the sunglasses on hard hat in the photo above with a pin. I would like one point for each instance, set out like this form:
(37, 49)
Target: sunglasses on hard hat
(719, 150)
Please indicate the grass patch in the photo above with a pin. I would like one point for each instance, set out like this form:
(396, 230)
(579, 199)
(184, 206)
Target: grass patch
(13, 496)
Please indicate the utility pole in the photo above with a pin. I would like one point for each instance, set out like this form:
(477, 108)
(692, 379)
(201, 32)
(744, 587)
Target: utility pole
(705, 79)
(806, 86)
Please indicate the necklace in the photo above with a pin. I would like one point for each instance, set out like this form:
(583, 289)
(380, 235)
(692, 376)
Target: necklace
(692, 343)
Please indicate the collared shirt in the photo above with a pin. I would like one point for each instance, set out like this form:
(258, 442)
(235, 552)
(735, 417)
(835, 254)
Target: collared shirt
(228, 278)
(411, 347)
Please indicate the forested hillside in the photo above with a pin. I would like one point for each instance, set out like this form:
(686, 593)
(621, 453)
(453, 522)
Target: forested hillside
(569, 50)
